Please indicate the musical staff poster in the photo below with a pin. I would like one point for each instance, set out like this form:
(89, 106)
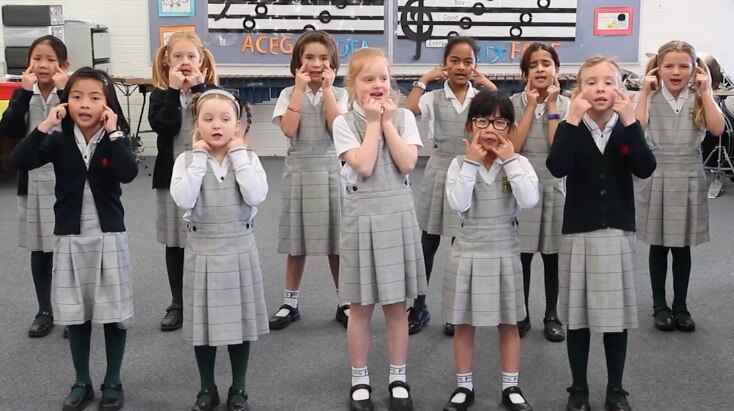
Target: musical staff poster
(264, 31)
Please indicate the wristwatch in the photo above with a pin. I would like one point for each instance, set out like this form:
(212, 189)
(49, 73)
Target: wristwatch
(419, 84)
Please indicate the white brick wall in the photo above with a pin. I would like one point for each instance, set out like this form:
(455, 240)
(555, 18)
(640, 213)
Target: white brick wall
(707, 24)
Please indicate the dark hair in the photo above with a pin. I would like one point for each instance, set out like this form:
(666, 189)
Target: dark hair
(67, 124)
(242, 105)
(57, 45)
(455, 41)
(314, 36)
(486, 103)
(525, 62)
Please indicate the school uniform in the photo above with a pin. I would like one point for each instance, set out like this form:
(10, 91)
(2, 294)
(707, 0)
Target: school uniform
(171, 118)
(672, 205)
(92, 272)
(483, 283)
(540, 226)
(447, 120)
(597, 256)
(381, 260)
(224, 301)
(311, 202)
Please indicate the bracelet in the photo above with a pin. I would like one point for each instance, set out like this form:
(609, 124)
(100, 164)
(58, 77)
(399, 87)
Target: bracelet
(294, 109)
(554, 116)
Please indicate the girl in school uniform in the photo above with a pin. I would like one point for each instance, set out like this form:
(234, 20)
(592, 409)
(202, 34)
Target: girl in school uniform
(42, 83)
(219, 184)
(483, 283)
(309, 218)
(672, 206)
(91, 155)
(538, 110)
(598, 149)
(445, 109)
(181, 68)
(381, 260)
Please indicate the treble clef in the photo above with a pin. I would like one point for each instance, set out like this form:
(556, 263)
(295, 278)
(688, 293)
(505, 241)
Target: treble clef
(223, 14)
(415, 15)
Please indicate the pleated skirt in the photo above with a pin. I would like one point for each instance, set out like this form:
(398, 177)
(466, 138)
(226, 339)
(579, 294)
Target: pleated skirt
(596, 275)
(311, 206)
(435, 216)
(540, 227)
(170, 225)
(36, 211)
(381, 257)
(224, 301)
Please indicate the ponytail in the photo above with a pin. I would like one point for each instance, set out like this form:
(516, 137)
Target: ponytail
(160, 69)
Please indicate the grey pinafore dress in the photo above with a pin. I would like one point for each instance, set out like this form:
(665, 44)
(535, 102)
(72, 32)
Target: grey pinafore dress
(36, 209)
(672, 205)
(433, 211)
(224, 301)
(540, 227)
(92, 274)
(483, 282)
(310, 214)
(170, 226)
(381, 259)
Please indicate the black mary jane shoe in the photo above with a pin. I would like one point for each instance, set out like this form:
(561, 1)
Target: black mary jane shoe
(206, 405)
(578, 404)
(553, 329)
(449, 329)
(523, 327)
(240, 405)
(399, 404)
(361, 405)
(40, 329)
(109, 403)
(663, 318)
(460, 406)
(278, 323)
(617, 405)
(511, 406)
(683, 321)
(418, 319)
(341, 315)
(173, 320)
(78, 403)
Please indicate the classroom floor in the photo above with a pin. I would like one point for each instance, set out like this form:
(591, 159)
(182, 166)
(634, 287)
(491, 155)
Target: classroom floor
(305, 367)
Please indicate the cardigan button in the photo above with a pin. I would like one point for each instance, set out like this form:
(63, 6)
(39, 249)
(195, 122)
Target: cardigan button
(603, 192)
(603, 175)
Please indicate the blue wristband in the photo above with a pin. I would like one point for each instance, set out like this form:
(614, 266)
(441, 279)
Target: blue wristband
(554, 116)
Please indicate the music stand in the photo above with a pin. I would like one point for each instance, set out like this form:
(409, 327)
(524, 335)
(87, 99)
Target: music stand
(723, 161)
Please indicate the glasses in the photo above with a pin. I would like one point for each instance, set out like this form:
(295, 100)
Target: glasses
(499, 124)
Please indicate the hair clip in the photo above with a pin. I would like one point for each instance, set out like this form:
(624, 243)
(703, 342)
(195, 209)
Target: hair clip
(104, 80)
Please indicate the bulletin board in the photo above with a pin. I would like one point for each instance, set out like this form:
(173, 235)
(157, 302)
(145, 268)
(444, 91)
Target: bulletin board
(410, 31)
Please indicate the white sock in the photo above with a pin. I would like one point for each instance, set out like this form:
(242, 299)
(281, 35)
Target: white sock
(360, 376)
(465, 380)
(510, 379)
(397, 373)
(291, 298)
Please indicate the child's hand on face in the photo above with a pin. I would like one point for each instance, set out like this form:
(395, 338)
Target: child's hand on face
(702, 81)
(532, 96)
(438, 73)
(54, 118)
(554, 90)
(651, 81)
(196, 77)
(372, 109)
(388, 110)
(302, 78)
(198, 143)
(109, 119)
(237, 141)
(60, 77)
(504, 149)
(327, 77)
(579, 106)
(29, 78)
(176, 78)
(625, 107)
(473, 150)
(480, 80)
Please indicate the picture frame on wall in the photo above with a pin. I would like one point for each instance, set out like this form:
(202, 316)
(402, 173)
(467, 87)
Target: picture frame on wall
(166, 31)
(176, 8)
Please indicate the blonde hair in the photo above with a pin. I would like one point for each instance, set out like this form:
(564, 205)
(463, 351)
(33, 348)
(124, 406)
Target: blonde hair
(595, 61)
(161, 68)
(677, 45)
(361, 59)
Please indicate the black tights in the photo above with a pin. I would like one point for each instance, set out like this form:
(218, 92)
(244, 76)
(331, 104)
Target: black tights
(615, 350)
(681, 274)
(175, 268)
(430, 243)
(550, 269)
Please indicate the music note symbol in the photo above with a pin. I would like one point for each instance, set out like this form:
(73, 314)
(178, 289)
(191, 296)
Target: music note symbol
(223, 14)
(415, 15)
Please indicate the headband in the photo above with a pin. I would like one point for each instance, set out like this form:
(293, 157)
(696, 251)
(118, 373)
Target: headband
(221, 93)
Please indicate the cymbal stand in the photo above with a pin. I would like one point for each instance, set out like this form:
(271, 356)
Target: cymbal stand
(723, 161)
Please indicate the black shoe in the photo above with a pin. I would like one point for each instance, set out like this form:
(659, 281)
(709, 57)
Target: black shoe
(523, 327)
(683, 321)
(399, 404)
(622, 405)
(41, 328)
(173, 320)
(417, 319)
(663, 318)
(553, 329)
(578, 404)
(361, 405)
(109, 403)
(278, 323)
(341, 315)
(237, 406)
(511, 406)
(460, 406)
(78, 403)
(66, 332)
(207, 405)
(449, 329)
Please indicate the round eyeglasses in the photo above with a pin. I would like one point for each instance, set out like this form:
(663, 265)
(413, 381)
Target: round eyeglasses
(499, 124)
